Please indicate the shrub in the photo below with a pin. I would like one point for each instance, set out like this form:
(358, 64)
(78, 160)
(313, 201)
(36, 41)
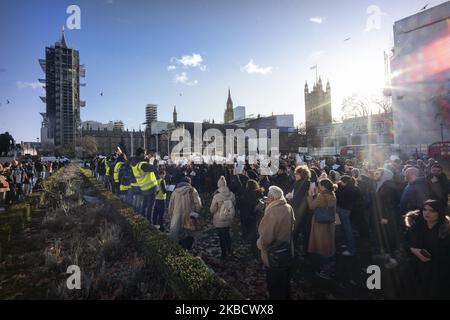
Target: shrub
(188, 276)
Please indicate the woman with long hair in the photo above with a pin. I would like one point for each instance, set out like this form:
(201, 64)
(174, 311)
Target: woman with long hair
(322, 237)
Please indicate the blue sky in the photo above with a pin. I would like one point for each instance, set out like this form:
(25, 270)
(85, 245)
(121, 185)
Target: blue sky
(261, 49)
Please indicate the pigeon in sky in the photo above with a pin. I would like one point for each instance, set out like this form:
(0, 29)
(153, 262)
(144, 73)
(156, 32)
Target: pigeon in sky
(181, 94)
(101, 93)
(424, 7)
(7, 101)
(347, 39)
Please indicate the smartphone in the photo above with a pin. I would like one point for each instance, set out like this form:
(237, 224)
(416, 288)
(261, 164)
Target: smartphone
(425, 253)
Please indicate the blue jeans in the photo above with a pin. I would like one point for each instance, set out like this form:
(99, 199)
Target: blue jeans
(344, 215)
(130, 195)
(148, 203)
(158, 214)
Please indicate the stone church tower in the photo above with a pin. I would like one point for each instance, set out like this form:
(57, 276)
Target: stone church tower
(317, 109)
(229, 113)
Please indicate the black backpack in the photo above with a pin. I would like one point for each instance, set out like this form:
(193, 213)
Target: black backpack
(126, 176)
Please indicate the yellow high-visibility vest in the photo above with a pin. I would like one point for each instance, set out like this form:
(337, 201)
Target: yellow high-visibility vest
(144, 180)
(116, 171)
(124, 188)
(160, 195)
(106, 167)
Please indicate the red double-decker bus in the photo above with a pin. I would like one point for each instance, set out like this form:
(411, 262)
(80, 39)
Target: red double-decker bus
(439, 150)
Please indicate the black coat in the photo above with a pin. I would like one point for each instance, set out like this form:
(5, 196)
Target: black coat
(433, 277)
(298, 202)
(248, 205)
(284, 182)
(385, 202)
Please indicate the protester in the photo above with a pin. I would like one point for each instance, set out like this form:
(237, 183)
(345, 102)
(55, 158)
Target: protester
(299, 204)
(146, 181)
(415, 193)
(384, 217)
(276, 226)
(322, 237)
(160, 203)
(183, 201)
(282, 180)
(348, 199)
(439, 184)
(429, 242)
(223, 209)
(251, 212)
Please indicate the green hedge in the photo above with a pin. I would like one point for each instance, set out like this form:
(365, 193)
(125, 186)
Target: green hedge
(38, 198)
(188, 276)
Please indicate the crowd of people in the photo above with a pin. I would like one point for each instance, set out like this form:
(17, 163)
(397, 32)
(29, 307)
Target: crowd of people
(19, 178)
(297, 212)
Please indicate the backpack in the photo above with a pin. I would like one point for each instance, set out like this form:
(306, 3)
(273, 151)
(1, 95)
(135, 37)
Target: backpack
(226, 210)
(126, 176)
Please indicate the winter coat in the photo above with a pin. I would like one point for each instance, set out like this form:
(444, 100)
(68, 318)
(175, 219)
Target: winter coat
(414, 195)
(299, 202)
(276, 225)
(220, 196)
(248, 206)
(284, 182)
(440, 188)
(183, 200)
(384, 202)
(433, 277)
(322, 237)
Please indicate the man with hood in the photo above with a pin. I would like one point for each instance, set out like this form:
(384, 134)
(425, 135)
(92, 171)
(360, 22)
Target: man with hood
(183, 202)
(384, 215)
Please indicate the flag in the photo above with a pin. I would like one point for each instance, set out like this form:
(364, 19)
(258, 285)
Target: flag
(313, 67)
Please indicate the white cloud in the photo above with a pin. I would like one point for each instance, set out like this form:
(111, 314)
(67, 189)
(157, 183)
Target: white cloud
(193, 60)
(316, 54)
(184, 79)
(32, 85)
(252, 68)
(171, 67)
(317, 20)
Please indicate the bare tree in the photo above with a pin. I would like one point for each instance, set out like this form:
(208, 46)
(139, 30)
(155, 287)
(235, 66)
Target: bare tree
(355, 105)
(88, 146)
(301, 127)
(383, 103)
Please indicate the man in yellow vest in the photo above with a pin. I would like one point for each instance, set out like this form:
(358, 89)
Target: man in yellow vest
(120, 160)
(106, 175)
(146, 181)
(160, 203)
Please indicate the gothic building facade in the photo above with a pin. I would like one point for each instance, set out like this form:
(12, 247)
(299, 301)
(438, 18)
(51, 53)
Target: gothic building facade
(229, 113)
(317, 110)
